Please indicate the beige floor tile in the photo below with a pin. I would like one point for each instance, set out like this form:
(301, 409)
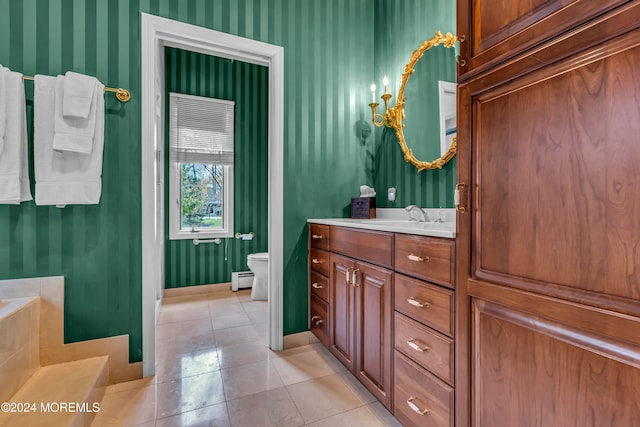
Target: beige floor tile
(186, 343)
(233, 336)
(174, 366)
(223, 298)
(250, 379)
(243, 354)
(184, 300)
(356, 386)
(302, 366)
(181, 329)
(383, 415)
(269, 408)
(129, 385)
(209, 416)
(128, 407)
(259, 316)
(230, 321)
(254, 305)
(359, 417)
(244, 295)
(217, 309)
(183, 314)
(323, 397)
(187, 394)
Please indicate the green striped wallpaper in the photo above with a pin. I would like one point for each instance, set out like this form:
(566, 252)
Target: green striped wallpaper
(329, 51)
(401, 27)
(247, 85)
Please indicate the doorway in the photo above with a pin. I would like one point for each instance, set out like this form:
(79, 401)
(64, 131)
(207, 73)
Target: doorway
(158, 33)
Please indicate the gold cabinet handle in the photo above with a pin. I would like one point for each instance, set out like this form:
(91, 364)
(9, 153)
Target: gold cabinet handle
(316, 286)
(316, 236)
(348, 282)
(415, 408)
(456, 197)
(317, 320)
(414, 302)
(417, 258)
(412, 343)
(314, 318)
(354, 282)
(316, 261)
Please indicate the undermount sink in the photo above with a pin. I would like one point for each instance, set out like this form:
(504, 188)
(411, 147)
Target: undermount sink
(404, 223)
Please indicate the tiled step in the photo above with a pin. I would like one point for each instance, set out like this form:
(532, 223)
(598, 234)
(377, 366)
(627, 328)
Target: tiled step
(60, 395)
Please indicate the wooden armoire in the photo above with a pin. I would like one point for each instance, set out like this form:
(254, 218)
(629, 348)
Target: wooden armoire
(548, 249)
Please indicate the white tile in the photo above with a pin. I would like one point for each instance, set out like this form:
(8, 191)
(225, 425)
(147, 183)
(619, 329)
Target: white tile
(182, 329)
(233, 336)
(302, 366)
(17, 288)
(242, 354)
(359, 417)
(171, 366)
(210, 416)
(250, 379)
(189, 393)
(269, 408)
(230, 321)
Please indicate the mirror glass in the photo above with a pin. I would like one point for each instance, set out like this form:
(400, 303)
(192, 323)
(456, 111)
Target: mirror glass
(428, 124)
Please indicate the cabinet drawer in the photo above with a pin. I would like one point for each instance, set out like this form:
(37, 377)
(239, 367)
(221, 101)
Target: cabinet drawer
(319, 261)
(426, 303)
(319, 285)
(319, 236)
(425, 257)
(372, 246)
(416, 390)
(428, 348)
(319, 319)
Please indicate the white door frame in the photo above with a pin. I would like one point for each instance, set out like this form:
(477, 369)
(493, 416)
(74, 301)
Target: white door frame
(157, 33)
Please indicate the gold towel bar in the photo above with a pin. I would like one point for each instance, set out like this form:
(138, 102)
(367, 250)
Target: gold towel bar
(123, 95)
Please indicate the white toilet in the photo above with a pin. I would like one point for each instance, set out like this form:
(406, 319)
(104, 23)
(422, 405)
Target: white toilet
(259, 264)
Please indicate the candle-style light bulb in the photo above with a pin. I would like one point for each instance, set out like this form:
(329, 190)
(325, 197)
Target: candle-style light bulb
(373, 92)
(385, 82)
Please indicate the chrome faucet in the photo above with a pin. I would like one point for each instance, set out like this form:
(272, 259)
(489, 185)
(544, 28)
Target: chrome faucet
(416, 213)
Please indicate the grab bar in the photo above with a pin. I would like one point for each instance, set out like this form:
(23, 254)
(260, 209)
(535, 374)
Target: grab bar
(196, 242)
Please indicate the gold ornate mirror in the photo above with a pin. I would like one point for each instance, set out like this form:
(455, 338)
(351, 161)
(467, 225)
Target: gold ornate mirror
(419, 110)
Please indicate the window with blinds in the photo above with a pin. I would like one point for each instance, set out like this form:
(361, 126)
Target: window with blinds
(201, 155)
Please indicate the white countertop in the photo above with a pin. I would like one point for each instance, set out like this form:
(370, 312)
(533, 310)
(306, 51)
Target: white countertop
(396, 223)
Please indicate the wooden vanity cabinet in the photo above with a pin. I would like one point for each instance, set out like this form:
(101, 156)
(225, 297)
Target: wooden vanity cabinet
(319, 265)
(360, 309)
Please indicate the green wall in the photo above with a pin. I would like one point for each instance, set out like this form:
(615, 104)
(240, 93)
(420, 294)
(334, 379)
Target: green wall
(246, 84)
(328, 68)
(401, 27)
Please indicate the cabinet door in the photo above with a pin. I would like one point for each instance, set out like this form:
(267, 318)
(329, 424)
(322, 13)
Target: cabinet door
(374, 310)
(496, 30)
(548, 248)
(341, 310)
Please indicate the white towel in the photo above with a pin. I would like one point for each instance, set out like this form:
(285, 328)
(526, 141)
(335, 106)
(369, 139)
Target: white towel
(73, 133)
(78, 94)
(64, 178)
(3, 117)
(14, 164)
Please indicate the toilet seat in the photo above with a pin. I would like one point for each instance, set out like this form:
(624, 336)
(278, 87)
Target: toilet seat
(260, 256)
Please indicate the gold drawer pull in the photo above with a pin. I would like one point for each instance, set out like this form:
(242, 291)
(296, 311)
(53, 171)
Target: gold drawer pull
(414, 302)
(316, 236)
(415, 408)
(417, 258)
(317, 286)
(317, 320)
(316, 261)
(354, 281)
(413, 345)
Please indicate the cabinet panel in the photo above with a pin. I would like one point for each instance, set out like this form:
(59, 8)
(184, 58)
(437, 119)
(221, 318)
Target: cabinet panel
(420, 399)
(372, 246)
(319, 236)
(341, 310)
(319, 261)
(565, 222)
(373, 367)
(426, 303)
(497, 30)
(431, 350)
(425, 257)
(319, 319)
(319, 285)
(528, 371)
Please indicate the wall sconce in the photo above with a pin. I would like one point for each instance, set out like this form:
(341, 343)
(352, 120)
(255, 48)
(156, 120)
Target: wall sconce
(388, 118)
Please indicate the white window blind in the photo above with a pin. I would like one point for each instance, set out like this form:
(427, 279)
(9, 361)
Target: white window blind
(201, 129)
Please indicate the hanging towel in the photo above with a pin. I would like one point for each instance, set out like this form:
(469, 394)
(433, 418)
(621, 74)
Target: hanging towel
(78, 94)
(64, 178)
(14, 164)
(74, 133)
(3, 117)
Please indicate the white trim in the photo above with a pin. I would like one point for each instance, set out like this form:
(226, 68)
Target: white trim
(156, 34)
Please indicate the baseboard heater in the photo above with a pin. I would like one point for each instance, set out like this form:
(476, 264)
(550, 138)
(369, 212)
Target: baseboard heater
(241, 280)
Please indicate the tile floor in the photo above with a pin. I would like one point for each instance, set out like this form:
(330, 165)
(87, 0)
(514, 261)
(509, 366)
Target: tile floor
(214, 368)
